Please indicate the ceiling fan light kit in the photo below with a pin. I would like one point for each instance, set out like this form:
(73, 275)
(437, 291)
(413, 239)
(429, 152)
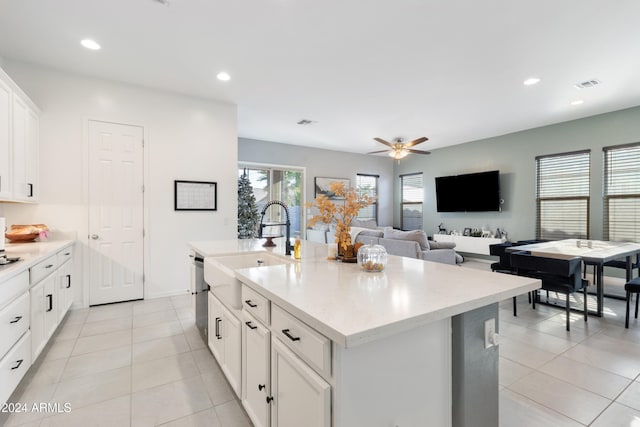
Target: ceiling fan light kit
(398, 150)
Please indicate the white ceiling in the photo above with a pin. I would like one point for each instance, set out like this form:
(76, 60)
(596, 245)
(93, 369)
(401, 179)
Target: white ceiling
(449, 70)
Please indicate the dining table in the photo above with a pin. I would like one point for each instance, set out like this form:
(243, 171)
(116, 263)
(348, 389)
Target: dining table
(592, 252)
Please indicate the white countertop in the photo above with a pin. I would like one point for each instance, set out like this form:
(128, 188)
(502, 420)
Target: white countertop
(352, 307)
(30, 254)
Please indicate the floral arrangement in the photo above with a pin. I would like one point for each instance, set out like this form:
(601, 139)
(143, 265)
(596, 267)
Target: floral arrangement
(340, 214)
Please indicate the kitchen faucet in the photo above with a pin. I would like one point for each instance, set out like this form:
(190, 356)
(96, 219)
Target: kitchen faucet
(286, 224)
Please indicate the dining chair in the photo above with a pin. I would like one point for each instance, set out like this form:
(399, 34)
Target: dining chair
(557, 275)
(632, 287)
(504, 264)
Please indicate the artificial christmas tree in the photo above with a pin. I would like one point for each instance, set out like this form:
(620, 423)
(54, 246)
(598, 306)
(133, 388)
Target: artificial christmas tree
(247, 209)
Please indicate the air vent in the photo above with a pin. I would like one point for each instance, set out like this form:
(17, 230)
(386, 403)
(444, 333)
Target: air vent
(305, 122)
(587, 84)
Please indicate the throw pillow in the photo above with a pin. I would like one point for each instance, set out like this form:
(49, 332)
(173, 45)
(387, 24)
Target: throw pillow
(415, 235)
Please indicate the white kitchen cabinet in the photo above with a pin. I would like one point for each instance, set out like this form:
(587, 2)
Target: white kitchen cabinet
(256, 383)
(225, 340)
(14, 365)
(5, 141)
(37, 319)
(25, 151)
(65, 282)
(299, 396)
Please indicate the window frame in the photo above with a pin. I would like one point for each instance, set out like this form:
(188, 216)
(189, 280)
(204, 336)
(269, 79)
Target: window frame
(541, 200)
(375, 194)
(403, 203)
(607, 198)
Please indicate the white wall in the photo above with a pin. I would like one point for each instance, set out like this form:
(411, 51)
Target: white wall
(185, 138)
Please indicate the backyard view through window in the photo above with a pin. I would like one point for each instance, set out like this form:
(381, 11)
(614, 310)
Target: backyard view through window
(270, 183)
(562, 196)
(622, 193)
(368, 185)
(411, 202)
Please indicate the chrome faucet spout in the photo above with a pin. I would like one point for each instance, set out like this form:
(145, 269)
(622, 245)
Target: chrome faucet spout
(287, 224)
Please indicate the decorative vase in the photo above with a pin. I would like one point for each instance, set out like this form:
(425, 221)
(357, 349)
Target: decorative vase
(372, 258)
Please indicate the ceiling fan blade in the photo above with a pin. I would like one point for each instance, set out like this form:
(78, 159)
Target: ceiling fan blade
(416, 142)
(418, 151)
(382, 141)
(381, 151)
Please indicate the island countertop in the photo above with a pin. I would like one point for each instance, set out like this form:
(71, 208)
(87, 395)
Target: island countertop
(352, 307)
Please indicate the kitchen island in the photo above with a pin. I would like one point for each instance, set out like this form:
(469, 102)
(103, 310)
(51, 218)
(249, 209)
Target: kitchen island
(404, 347)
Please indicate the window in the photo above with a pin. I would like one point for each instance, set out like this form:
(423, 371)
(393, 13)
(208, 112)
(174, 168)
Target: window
(562, 196)
(622, 192)
(412, 196)
(368, 185)
(271, 183)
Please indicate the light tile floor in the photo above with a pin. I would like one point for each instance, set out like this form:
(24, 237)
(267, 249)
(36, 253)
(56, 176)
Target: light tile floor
(139, 363)
(143, 364)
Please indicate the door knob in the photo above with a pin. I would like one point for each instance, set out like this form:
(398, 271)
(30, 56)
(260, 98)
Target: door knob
(95, 236)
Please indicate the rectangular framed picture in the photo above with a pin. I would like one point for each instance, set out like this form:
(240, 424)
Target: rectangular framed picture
(195, 196)
(322, 186)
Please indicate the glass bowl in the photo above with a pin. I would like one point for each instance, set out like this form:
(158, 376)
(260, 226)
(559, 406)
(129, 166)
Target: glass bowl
(372, 258)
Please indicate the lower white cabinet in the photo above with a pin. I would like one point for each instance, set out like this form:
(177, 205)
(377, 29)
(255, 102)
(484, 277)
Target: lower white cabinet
(44, 314)
(225, 341)
(299, 396)
(65, 290)
(256, 384)
(14, 365)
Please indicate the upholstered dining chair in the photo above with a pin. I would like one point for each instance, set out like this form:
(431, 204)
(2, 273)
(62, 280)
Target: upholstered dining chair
(557, 275)
(632, 287)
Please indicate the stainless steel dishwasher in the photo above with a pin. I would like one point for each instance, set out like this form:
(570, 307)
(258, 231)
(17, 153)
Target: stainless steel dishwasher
(202, 298)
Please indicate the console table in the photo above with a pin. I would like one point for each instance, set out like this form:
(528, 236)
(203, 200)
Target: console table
(473, 245)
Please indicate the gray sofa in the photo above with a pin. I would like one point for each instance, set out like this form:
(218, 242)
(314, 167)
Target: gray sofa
(412, 244)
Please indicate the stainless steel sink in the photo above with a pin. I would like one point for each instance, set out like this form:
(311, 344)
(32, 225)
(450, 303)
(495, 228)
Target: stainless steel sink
(219, 273)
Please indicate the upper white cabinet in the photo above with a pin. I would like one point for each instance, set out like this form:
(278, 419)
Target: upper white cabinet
(5, 141)
(19, 139)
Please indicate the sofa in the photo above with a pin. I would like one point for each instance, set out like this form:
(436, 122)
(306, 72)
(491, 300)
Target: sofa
(412, 244)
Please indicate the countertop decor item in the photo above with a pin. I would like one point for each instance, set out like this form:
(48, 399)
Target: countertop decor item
(26, 233)
(340, 214)
(372, 258)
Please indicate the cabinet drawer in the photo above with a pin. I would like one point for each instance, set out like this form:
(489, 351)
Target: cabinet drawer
(255, 304)
(43, 269)
(14, 321)
(65, 255)
(305, 341)
(14, 365)
(12, 288)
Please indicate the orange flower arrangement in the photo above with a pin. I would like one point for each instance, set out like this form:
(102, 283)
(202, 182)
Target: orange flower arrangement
(340, 214)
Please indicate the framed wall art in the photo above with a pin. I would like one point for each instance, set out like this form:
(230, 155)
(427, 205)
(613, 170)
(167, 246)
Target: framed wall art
(322, 186)
(195, 196)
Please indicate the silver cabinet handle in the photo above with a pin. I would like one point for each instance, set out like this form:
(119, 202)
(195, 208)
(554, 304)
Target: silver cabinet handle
(95, 236)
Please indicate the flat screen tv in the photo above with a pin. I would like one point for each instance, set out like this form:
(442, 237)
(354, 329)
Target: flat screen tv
(474, 192)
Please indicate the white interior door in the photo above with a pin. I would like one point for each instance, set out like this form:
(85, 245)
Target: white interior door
(115, 212)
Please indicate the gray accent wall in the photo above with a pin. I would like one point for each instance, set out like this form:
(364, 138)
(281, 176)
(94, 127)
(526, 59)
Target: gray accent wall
(325, 163)
(514, 156)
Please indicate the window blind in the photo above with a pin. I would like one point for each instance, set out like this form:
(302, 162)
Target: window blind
(622, 192)
(562, 196)
(368, 185)
(412, 198)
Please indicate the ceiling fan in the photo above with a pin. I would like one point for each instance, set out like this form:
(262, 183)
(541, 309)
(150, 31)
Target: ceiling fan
(398, 149)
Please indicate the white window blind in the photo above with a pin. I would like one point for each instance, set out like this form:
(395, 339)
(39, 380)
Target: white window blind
(622, 192)
(368, 185)
(411, 203)
(562, 196)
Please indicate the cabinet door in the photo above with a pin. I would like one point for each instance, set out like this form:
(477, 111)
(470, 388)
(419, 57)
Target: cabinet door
(299, 396)
(256, 342)
(50, 305)
(25, 135)
(37, 319)
(216, 343)
(5, 141)
(232, 337)
(65, 291)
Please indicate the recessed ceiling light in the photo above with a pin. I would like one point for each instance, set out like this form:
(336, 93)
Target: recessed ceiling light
(577, 102)
(531, 81)
(225, 77)
(90, 44)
